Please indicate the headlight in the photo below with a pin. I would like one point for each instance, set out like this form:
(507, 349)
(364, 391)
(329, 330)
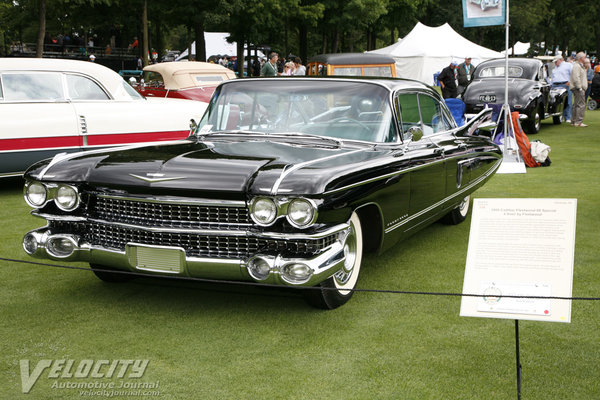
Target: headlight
(301, 213)
(35, 194)
(263, 210)
(67, 198)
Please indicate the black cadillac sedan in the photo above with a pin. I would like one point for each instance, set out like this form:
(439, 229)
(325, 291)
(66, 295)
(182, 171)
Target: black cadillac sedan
(528, 91)
(285, 181)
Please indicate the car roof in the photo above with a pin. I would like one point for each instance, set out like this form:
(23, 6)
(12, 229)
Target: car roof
(523, 62)
(352, 58)
(179, 74)
(105, 76)
(389, 83)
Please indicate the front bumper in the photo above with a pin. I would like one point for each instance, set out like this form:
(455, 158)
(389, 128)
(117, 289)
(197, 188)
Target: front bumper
(166, 260)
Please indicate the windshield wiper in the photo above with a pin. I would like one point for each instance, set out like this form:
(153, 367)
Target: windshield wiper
(335, 141)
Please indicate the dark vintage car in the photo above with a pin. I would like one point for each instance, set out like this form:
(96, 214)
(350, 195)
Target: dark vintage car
(528, 91)
(286, 181)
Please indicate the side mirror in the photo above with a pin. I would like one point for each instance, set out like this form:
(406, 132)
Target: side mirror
(415, 133)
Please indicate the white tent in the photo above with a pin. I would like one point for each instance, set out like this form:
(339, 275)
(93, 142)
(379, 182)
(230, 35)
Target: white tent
(520, 49)
(216, 44)
(426, 50)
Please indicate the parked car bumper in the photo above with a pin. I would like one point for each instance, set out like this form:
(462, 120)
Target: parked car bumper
(273, 268)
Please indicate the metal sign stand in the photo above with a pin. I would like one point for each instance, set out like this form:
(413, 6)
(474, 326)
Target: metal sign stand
(518, 359)
(512, 163)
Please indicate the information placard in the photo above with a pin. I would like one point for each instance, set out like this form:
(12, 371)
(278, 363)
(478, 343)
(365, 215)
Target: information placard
(520, 247)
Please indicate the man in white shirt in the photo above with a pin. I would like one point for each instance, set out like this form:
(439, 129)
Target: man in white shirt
(560, 78)
(578, 84)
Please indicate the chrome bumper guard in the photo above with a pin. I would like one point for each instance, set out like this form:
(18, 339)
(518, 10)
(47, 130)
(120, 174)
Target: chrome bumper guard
(160, 260)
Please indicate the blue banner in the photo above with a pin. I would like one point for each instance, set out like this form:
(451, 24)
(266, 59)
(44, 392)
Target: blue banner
(484, 12)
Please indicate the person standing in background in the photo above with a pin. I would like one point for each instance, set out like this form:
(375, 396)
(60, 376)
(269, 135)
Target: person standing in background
(590, 76)
(560, 78)
(270, 67)
(465, 73)
(447, 79)
(578, 84)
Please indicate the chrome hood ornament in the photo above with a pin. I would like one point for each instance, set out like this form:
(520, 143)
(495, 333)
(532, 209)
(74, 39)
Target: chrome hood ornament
(156, 177)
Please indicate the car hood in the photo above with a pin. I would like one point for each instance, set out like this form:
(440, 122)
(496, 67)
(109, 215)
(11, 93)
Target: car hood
(242, 166)
(518, 91)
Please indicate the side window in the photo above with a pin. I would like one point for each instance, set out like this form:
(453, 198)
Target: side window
(432, 113)
(407, 108)
(82, 88)
(1, 94)
(45, 86)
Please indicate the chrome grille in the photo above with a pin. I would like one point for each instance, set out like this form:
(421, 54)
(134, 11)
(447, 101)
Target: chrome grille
(169, 214)
(195, 245)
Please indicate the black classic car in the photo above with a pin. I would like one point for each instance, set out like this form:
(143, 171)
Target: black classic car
(285, 181)
(528, 91)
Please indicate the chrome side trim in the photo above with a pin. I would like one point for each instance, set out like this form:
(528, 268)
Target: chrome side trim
(457, 194)
(294, 167)
(389, 175)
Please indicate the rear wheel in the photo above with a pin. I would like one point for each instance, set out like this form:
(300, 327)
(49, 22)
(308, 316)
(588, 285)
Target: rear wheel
(592, 104)
(459, 213)
(337, 290)
(105, 274)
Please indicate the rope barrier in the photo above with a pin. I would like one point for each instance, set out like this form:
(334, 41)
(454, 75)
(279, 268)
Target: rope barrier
(258, 284)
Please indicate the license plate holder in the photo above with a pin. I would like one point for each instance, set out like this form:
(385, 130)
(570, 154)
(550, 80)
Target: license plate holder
(170, 260)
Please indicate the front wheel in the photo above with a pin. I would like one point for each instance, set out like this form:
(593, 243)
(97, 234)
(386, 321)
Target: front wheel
(459, 213)
(337, 290)
(105, 274)
(592, 104)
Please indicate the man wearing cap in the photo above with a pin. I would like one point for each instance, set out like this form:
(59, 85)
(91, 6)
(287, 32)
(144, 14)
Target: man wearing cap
(578, 84)
(465, 73)
(447, 79)
(92, 58)
(560, 78)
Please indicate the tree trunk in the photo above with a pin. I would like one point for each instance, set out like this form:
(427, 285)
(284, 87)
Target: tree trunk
(336, 41)
(145, 33)
(39, 49)
(324, 43)
(303, 42)
(200, 42)
(190, 42)
(240, 58)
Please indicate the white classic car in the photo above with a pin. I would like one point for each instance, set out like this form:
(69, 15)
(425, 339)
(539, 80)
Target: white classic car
(50, 106)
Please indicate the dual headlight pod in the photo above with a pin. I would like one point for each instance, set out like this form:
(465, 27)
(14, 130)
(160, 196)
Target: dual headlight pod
(300, 212)
(66, 197)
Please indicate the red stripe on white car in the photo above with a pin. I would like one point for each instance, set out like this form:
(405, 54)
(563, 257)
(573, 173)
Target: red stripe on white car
(93, 140)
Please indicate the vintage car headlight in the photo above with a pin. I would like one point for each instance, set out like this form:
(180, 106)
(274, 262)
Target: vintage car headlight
(35, 194)
(67, 198)
(301, 213)
(263, 210)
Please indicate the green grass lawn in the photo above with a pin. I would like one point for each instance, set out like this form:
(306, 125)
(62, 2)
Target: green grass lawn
(229, 342)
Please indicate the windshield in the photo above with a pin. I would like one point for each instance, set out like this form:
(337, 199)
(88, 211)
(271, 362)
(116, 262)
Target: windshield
(338, 109)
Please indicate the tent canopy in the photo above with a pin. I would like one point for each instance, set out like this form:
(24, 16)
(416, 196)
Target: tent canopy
(216, 44)
(520, 49)
(426, 50)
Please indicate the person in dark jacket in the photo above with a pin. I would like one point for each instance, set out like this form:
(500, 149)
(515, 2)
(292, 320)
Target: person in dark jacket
(447, 79)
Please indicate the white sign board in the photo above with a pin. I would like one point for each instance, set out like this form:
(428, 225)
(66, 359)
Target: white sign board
(520, 247)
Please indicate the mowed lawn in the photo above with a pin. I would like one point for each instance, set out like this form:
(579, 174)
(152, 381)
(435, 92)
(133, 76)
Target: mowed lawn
(206, 341)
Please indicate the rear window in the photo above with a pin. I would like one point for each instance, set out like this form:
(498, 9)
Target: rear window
(498, 71)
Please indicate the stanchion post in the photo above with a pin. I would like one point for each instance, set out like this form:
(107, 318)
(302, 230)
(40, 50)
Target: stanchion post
(518, 359)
